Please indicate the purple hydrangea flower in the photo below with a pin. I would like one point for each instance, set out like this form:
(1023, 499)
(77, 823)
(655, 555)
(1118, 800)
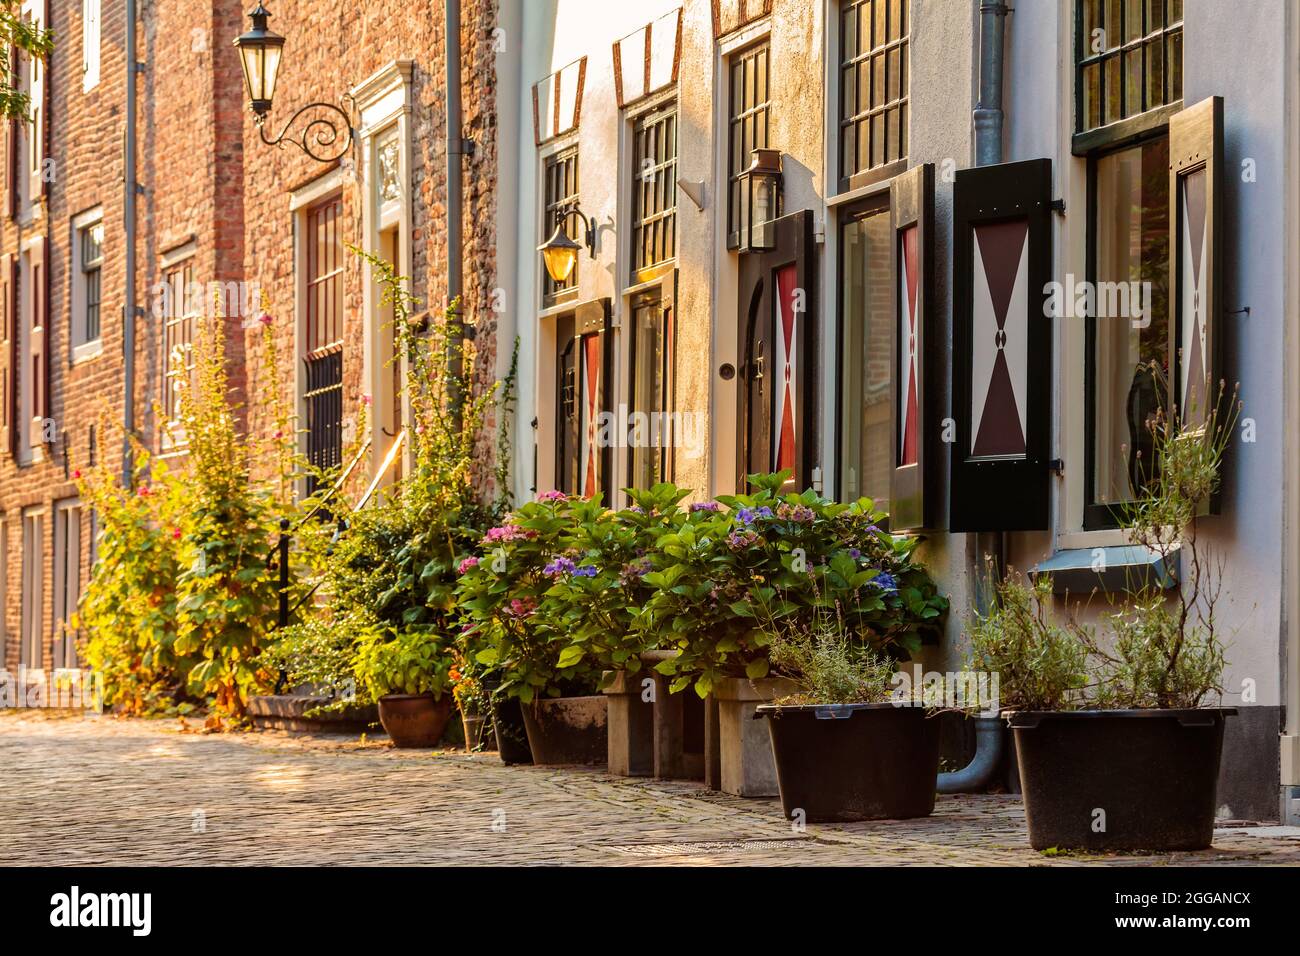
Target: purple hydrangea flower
(558, 566)
(706, 506)
(750, 515)
(886, 582)
(586, 571)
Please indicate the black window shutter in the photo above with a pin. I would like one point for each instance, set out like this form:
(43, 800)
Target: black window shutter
(1195, 261)
(913, 494)
(1002, 348)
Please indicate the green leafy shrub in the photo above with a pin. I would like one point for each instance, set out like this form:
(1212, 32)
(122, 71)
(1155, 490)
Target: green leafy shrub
(501, 593)
(592, 606)
(408, 662)
(128, 610)
(738, 570)
(390, 577)
(182, 597)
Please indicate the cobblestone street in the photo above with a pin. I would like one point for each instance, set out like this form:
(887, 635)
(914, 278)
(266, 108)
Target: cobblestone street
(94, 790)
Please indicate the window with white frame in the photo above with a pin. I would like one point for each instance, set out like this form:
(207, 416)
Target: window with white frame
(67, 580)
(90, 33)
(180, 318)
(87, 280)
(34, 75)
(33, 589)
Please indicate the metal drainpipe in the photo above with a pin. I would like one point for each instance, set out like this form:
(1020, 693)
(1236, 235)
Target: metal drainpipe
(455, 158)
(129, 186)
(987, 117)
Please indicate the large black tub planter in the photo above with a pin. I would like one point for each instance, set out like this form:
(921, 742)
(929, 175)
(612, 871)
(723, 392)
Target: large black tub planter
(1120, 780)
(567, 730)
(837, 762)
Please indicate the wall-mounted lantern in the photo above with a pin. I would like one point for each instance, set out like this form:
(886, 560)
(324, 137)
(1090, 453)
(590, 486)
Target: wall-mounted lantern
(560, 252)
(760, 201)
(260, 52)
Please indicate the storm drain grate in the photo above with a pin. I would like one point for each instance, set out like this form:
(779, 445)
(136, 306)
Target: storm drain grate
(706, 847)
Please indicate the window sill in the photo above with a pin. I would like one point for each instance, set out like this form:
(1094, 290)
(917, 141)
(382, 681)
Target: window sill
(1124, 132)
(1113, 569)
(87, 351)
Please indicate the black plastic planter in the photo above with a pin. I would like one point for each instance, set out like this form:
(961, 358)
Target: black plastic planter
(837, 762)
(568, 730)
(1120, 780)
(512, 737)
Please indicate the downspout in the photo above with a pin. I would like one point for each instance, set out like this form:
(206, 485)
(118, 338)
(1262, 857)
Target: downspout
(129, 187)
(987, 116)
(455, 158)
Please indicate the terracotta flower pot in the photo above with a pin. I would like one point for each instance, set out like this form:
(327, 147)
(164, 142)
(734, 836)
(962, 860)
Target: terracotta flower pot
(415, 720)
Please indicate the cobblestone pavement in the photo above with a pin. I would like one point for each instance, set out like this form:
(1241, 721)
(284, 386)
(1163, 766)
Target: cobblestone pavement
(96, 790)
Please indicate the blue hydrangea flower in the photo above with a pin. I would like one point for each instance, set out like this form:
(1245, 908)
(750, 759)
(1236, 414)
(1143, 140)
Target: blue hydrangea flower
(886, 582)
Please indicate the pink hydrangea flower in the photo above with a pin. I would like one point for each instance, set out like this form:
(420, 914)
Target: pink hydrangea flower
(552, 496)
(470, 562)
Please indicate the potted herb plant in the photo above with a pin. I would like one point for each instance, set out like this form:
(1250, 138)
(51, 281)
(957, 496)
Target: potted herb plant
(847, 745)
(1118, 728)
(512, 632)
(408, 673)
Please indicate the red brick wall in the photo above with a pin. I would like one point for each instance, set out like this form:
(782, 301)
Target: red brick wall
(208, 178)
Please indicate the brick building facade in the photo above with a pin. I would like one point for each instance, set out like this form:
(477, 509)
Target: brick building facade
(216, 205)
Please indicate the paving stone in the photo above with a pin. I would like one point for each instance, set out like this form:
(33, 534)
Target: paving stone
(93, 790)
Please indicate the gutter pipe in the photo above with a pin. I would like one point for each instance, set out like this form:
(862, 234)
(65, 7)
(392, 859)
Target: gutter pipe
(987, 117)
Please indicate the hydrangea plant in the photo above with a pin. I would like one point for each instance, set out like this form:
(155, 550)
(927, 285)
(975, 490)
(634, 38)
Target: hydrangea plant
(737, 572)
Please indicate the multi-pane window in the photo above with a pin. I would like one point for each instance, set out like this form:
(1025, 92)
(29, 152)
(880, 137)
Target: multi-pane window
(324, 275)
(747, 126)
(866, 364)
(873, 86)
(654, 189)
(651, 361)
(324, 336)
(1130, 59)
(560, 175)
(91, 249)
(33, 589)
(67, 580)
(178, 339)
(1130, 327)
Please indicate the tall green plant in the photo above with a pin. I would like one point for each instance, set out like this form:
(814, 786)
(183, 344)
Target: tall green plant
(227, 594)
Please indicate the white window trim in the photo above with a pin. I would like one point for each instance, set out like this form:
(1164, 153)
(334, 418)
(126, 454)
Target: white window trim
(27, 452)
(34, 133)
(385, 101)
(32, 622)
(84, 349)
(66, 511)
(91, 36)
(724, 340)
(173, 440)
